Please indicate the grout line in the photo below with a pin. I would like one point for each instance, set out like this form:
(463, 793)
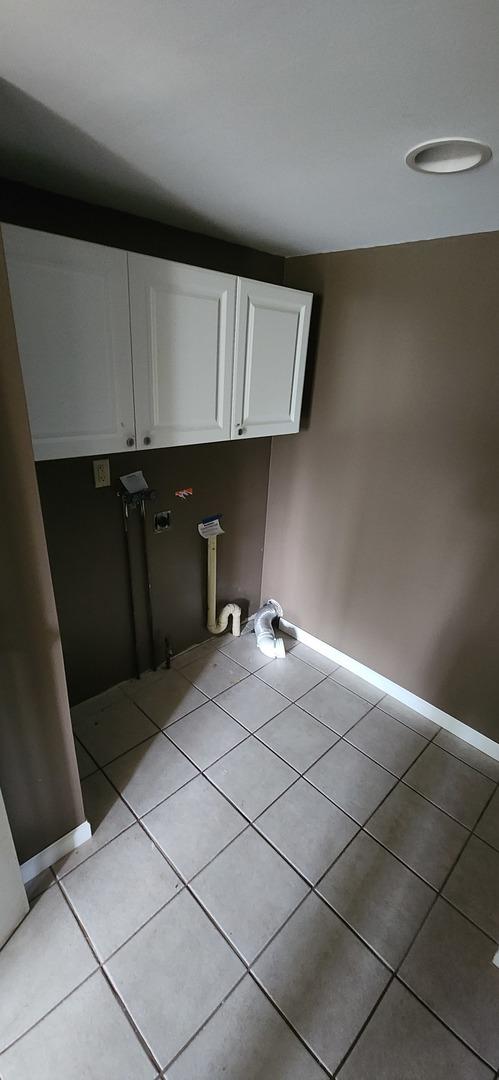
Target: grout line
(204, 1024)
(305, 692)
(49, 1011)
(450, 903)
(250, 730)
(463, 762)
(288, 1023)
(441, 808)
(406, 723)
(202, 768)
(135, 1028)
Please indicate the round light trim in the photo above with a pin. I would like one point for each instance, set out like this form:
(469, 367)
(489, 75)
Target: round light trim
(448, 156)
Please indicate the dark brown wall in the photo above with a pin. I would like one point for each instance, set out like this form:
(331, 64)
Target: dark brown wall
(88, 558)
(38, 771)
(383, 520)
(83, 526)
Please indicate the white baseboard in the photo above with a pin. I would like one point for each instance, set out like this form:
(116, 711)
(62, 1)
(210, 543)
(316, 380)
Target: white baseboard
(55, 851)
(443, 719)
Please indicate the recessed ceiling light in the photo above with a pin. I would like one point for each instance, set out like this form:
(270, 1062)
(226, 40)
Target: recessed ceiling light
(448, 155)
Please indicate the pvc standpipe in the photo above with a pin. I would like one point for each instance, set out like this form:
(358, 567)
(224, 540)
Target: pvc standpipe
(266, 640)
(217, 626)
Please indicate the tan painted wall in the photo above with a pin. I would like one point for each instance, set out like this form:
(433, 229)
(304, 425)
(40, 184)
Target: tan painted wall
(38, 771)
(383, 519)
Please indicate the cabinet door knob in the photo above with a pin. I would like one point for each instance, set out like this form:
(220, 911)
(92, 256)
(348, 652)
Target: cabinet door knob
(130, 441)
(147, 440)
(241, 431)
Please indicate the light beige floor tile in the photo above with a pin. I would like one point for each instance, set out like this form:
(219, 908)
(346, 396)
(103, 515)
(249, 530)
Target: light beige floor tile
(150, 773)
(488, 826)
(206, 734)
(403, 1040)
(249, 891)
(359, 686)
(193, 825)
(113, 696)
(214, 673)
(173, 974)
(43, 961)
(108, 816)
(334, 706)
(132, 687)
(453, 786)
(315, 659)
(427, 840)
(290, 676)
(113, 731)
(386, 741)
(168, 698)
(449, 967)
(378, 897)
(473, 886)
(252, 702)
(85, 764)
(119, 888)
(485, 764)
(354, 782)
(297, 737)
(408, 716)
(188, 656)
(86, 1037)
(308, 829)
(324, 980)
(245, 651)
(246, 1039)
(251, 776)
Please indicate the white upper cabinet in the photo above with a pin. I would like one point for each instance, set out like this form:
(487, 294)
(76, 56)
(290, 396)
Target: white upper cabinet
(270, 354)
(182, 321)
(70, 303)
(120, 350)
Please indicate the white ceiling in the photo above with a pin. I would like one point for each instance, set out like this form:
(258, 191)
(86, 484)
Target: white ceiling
(278, 123)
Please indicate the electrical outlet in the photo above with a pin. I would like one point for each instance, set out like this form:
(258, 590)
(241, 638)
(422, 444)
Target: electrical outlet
(101, 473)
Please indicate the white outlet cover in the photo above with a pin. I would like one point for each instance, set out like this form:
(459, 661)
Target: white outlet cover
(102, 476)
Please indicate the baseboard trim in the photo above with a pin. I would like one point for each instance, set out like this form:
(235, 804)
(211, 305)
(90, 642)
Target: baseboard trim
(443, 719)
(64, 846)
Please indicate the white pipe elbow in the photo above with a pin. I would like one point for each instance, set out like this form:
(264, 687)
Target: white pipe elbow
(218, 626)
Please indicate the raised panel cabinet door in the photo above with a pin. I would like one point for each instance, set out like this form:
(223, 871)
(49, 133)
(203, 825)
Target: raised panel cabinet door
(182, 321)
(70, 304)
(269, 364)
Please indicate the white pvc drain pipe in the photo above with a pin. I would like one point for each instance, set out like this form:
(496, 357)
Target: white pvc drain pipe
(217, 626)
(267, 642)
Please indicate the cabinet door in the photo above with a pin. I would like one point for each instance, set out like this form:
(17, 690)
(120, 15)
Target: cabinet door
(269, 366)
(182, 321)
(70, 304)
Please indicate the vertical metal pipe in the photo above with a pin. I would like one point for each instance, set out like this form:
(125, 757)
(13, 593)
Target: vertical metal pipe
(133, 614)
(150, 621)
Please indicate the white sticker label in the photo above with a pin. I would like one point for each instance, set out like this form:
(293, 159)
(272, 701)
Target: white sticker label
(210, 528)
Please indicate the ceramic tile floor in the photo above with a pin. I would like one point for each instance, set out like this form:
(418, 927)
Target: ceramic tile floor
(290, 877)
